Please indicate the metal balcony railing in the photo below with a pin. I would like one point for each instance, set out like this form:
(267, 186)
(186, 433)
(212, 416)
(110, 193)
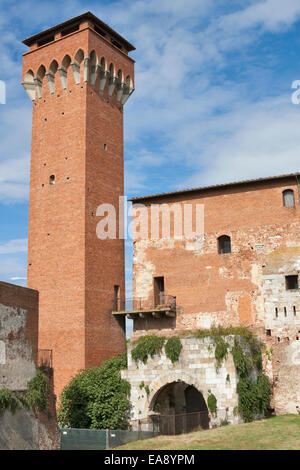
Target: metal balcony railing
(163, 303)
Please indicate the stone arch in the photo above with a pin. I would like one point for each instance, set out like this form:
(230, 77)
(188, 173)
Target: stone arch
(112, 80)
(112, 70)
(179, 406)
(104, 74)
(170, 377)
(120, 76)
(51, 75)
(129, 82)
(94, 67)
(29, 84)
(121, 85)
(39, 80)
(76, 65)
(103, 64)
(63, 70)
(53, 67)
(79, 56)
(128, 89)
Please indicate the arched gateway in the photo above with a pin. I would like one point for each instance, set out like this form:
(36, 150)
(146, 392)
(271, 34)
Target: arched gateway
(179, 407)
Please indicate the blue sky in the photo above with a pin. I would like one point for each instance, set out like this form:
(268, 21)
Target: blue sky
(212, 102)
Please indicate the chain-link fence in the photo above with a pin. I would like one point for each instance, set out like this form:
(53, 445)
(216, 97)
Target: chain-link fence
(100, 439)
(153, 425)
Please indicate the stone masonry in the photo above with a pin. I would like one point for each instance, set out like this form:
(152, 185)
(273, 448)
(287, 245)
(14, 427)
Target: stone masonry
(23, 430)
(196, 367)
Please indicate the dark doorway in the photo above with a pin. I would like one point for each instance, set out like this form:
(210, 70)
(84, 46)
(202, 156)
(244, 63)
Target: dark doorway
(195, 403)
(159, 290)
(180, 408)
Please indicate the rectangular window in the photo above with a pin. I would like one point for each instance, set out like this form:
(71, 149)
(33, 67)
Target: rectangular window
(291, 282)
(159, 290)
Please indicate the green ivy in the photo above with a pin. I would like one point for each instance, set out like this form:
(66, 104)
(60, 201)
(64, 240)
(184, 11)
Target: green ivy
(97, 398)
(6, 399)
(145, 387)
(173, 348)
(35, 397)
(264, 392)
(212, 403)
(243, 363)
(146, 346)
(221, 351)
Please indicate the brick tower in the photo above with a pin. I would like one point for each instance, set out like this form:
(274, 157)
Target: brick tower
(78, 75)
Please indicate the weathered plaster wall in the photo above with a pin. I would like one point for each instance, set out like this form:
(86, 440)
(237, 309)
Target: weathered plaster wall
(286, 376)
(196, 366)
(18, 336)
(18, 362)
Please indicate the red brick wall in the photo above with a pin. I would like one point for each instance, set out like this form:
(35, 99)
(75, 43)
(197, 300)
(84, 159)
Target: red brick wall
(210, 287)
(73, 270)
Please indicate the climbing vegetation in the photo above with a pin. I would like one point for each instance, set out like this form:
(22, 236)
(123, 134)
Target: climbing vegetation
(151, 345)
(35, 397)
(146, 346)
(97, 398)
(212, 403)
(173, 348)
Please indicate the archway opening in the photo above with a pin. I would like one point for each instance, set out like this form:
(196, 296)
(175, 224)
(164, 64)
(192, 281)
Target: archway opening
(179, 408)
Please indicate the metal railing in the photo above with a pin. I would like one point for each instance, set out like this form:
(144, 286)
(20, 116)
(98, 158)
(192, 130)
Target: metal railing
(180, 423)
(45, 358)
(139, 304)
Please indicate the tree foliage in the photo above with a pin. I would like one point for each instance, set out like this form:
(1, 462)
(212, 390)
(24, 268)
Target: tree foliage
(97, 398)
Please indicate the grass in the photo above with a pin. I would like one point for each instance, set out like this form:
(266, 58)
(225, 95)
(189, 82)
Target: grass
(276, 433)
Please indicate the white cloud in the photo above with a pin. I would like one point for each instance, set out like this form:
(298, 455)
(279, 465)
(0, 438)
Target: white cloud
(272, 15)
(12, 267)
(181, 110)
(14, 246)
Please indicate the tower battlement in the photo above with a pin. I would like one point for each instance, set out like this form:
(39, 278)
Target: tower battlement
(54, 61)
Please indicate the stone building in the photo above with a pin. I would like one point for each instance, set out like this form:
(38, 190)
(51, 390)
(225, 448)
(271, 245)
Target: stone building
(241, 268)
(19, 359)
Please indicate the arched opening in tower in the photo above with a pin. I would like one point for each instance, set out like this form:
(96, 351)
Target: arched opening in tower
(179, 408)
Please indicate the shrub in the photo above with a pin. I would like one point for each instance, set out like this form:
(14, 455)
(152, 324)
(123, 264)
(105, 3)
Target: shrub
(97, 398)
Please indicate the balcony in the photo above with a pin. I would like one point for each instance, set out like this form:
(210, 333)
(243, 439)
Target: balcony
(140, 307)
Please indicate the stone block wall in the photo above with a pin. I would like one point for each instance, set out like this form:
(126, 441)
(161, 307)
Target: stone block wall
(23, 430)
(18, 336)
(197, 367)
